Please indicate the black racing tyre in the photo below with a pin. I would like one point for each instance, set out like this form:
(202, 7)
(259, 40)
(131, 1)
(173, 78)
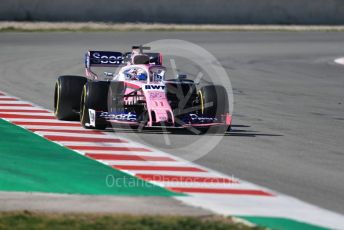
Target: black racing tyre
(214, 100)
(213, 103)
(94, 96)
(67, 94)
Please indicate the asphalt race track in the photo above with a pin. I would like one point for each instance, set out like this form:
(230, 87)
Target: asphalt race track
(288, 127)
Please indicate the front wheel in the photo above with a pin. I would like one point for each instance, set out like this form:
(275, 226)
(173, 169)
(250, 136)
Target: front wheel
(93, 100)
(214, 103)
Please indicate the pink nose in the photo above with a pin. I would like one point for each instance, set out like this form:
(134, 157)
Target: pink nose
(161, 116)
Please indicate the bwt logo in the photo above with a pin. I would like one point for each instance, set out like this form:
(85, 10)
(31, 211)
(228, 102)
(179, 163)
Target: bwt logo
(154, 87)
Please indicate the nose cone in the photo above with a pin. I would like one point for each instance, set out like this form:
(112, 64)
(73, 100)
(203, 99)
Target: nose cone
(158, 107)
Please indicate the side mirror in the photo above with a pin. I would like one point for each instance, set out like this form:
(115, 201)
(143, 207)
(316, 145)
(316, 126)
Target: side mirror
(108, 74)
(181, 77)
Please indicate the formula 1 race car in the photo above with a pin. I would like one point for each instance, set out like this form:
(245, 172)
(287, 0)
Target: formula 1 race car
(138, 95)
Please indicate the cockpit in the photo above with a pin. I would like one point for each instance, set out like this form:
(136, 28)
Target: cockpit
(136, 74)
(144, 74)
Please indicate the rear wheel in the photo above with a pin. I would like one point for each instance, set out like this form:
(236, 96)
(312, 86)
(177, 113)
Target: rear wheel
(93, 99)
(67, 97)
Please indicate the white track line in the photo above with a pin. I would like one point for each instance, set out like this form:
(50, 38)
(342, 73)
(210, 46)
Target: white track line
(99, 144)
(37, 120)
(129, 153)
(147, 163)
(6, 96)
(176, 173)
(90, 135)
(48, 128)
(29, 113)
(206, 185)
(15, 102)
(23, 108)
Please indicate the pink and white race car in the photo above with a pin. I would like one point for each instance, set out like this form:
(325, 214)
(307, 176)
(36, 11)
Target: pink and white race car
(138, 94)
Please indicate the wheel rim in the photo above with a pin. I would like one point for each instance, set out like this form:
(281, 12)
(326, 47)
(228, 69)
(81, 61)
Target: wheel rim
(82, 105)
(56, 98)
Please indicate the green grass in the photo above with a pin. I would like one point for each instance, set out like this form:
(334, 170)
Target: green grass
(37, 221)
(30, 163)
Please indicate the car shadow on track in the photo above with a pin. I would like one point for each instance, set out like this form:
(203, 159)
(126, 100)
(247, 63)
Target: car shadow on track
(241, 131)
(236, 131)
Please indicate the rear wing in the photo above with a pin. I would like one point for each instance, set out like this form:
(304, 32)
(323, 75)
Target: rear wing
(154, 58)
(103, 59)
(115, 59)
